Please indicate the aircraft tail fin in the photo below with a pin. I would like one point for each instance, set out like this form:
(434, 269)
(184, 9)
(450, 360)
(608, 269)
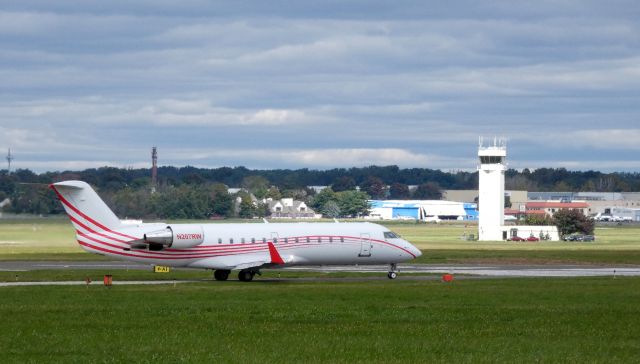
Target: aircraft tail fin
(87, 211)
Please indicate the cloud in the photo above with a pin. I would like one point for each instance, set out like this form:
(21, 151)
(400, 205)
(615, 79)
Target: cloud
(319, 85)
(610, 165)
(360, 157)
(617, 139)
(318, 158)
(72, 165)
(94, 111)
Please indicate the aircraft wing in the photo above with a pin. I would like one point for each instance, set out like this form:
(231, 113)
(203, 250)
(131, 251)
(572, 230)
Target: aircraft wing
(256, 264)
(242, 261)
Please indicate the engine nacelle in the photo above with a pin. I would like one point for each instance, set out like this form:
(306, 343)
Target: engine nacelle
(177, 236)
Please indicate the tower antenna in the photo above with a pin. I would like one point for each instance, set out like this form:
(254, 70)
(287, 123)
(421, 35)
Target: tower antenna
(154, 169)
(9, 159)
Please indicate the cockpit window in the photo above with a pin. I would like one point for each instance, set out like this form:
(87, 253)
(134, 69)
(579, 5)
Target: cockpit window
(391, 235)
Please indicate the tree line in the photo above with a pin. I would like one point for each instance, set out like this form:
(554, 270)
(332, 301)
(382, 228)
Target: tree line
(190, 192)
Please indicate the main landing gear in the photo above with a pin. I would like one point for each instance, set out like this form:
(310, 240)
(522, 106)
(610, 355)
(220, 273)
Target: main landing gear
(393, 271)
(221, 274)
(247, 275)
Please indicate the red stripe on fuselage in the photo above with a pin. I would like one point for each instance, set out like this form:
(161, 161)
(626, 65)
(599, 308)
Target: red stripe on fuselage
(185, 255)
(173, 257)
(95, 232)
(302, 242)
(194, 255)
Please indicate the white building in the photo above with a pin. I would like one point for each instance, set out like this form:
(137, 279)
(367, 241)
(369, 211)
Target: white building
(626, 213)
(289, 208)
(491, 189)
(491, 198)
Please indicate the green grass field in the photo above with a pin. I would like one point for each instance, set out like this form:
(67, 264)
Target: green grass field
(53, 239)
(576, 320)
(586, 320)
(448, 236)
(97, 275)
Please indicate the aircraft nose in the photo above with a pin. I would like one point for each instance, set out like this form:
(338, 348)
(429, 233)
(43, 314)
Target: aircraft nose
(418, 252)
(415, 251)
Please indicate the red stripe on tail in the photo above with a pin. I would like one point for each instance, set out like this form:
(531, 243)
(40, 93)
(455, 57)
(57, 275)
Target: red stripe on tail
(74, 209)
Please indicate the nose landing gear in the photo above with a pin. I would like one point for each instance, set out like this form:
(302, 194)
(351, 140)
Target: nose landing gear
(393, 271)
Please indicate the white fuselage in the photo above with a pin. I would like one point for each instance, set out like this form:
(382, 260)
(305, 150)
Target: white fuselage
(225, 247)
(229, 245)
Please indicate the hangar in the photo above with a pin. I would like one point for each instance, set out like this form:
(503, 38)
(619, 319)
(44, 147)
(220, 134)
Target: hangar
(424, 210)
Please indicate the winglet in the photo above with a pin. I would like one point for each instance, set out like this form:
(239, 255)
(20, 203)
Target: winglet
(275, 256)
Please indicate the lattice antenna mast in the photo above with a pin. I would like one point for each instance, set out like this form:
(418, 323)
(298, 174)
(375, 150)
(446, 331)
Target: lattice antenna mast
(154, 168)
(9, 159)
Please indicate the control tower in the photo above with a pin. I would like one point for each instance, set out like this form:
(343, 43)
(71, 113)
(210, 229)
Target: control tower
(491, 189)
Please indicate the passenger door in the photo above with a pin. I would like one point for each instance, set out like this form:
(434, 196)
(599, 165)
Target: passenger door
(365, 245)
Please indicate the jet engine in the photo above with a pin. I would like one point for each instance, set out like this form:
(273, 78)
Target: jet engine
(177, 237)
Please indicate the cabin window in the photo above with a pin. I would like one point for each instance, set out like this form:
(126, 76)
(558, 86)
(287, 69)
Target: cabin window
(331, 239)
(342, 239)
(264, 240)
(253, 240)
(242, 240)
(296, 240)
(230, 240)
(286, 240)
(219, 240)
(319, 239)
(275, 240)
(390, 235)
(308, 239)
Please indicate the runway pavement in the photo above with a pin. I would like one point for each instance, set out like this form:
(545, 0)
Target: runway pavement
(82, 283)
(483, 270)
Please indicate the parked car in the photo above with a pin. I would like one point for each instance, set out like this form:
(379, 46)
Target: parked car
(578, 237)
(603, 218)
(515, 238)
(533, 238)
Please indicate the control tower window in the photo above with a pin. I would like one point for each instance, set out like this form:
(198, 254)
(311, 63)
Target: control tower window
(490, 159)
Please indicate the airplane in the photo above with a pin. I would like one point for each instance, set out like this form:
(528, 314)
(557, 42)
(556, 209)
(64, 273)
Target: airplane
(223, 247)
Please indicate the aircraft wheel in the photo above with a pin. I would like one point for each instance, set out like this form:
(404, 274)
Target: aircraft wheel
(392, 275)
(245, 275)
(221, 274)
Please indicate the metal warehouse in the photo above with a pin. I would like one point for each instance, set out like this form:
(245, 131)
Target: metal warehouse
(425, 210)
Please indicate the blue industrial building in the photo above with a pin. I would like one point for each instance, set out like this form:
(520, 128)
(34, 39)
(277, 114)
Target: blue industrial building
(426, 210)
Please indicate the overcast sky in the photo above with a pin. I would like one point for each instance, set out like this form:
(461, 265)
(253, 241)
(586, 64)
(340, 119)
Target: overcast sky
(293, 84)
